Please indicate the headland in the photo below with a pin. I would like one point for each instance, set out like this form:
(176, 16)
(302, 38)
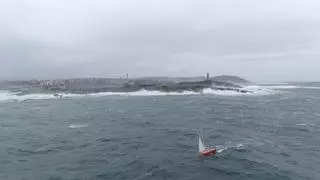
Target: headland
(96, 85)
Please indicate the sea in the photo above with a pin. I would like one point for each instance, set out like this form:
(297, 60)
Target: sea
(272, 133)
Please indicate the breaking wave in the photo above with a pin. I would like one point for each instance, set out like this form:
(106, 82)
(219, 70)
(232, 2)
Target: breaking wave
(291, 87)
(253, 91)
(76, 126)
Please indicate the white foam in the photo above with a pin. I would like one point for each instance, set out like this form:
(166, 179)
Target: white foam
(305, 124)
(143, 93)
(310, 87)
(4, 95)
(282, 87)
(76, 126)
(302, 124)
(259, 90)
(7, 96)
(254, 91)
(221, 149)
(239, 146)
(272, 83)
(291, 87)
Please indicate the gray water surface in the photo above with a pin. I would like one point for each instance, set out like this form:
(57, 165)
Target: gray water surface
(270, 137)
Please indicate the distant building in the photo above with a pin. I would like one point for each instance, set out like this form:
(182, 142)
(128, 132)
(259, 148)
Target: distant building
(54, 84)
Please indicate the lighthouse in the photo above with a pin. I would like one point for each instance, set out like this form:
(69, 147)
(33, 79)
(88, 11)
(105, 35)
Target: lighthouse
(208, 76)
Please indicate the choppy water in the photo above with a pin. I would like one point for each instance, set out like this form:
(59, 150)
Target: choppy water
(273, 134)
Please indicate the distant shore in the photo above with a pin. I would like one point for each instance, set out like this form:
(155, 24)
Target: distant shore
(93, 85)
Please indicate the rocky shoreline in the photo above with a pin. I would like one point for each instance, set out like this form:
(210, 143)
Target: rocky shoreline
(95, 85)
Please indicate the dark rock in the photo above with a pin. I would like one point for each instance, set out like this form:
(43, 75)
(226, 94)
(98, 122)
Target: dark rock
(95, 85)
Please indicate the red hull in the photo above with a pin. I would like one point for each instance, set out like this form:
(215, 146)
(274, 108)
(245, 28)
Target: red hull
(209, 152)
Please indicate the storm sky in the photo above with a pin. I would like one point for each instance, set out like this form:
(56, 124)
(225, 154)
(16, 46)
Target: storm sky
(261, 40)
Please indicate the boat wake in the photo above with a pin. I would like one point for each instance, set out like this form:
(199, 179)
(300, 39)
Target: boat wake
(221, 149)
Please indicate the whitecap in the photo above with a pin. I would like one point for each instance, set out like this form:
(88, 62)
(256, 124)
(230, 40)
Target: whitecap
(252, 91)
(302, 124)
(76, 126)
(291, 87)
(282, 87)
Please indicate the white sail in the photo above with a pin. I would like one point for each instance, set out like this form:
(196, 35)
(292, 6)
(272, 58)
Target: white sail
(201, 146)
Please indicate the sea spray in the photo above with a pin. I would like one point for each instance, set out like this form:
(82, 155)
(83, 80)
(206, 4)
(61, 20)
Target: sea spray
(252, 91)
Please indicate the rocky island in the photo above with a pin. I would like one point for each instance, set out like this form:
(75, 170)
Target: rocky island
(95, 85)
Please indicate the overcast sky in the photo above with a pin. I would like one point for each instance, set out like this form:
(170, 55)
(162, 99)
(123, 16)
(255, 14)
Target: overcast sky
(261, 40)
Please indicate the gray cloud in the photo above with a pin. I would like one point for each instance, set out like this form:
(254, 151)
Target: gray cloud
(257, 39)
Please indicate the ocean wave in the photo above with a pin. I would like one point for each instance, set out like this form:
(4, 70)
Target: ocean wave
(260, 90)
(291, 87)
(272, 83)
(221, 149)
(310, 87)
(9, 96)
(252, 91)
(306, 124)
(76, 126)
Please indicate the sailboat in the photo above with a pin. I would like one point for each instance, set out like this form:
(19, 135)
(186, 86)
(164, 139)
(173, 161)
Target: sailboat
(205, 151)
